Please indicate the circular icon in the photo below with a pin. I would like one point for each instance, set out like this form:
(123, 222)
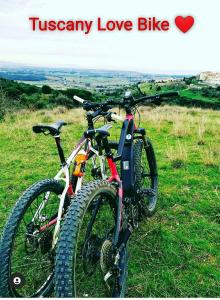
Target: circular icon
(128, 137)
(16, 280)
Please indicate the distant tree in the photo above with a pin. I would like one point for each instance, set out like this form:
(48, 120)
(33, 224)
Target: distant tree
(13, 92)
(81, 93)
(189, 80)
(158, 88)
(46, 89)
(31, 89)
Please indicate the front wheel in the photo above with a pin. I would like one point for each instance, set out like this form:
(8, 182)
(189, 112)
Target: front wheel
(26, 245)
(146, 177)
(85, 253)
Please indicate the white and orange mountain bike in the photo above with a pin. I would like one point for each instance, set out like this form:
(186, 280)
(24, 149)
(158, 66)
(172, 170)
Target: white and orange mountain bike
(31, 233)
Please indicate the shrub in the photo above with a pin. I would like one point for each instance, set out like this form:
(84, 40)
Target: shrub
(64, 101)
(13, 92)
(81, 93)
(46, 89)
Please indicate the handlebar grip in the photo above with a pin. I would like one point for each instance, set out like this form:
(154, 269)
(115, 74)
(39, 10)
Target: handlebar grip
(116, 117)
(80, 100)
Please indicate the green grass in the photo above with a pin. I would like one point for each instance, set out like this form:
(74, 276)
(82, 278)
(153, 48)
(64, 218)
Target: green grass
(176, 253)
(190, 97)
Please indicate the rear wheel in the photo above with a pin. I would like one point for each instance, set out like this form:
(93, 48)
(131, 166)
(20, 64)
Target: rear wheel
(85, 252)
(26, 245)
(146, 178)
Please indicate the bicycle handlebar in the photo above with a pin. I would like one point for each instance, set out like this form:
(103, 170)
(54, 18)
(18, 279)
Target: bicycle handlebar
(105, 106)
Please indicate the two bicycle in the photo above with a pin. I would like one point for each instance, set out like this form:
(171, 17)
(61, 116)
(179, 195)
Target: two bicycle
(70, 239)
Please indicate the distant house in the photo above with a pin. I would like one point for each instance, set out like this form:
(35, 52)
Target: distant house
(210, 78)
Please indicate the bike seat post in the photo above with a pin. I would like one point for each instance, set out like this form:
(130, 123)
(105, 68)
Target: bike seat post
(60, 149)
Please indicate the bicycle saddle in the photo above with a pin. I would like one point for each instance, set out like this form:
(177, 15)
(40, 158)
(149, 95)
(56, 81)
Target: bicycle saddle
(53, 129)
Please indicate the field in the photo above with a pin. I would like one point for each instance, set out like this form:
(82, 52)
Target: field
(176, 252)
(200, 95)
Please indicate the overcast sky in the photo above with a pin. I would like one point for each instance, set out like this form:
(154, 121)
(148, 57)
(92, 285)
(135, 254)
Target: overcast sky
(164, 52)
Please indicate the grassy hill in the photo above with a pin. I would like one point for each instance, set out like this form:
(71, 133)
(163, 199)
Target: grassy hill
(175, 253)
(15, 95)
(192, 92)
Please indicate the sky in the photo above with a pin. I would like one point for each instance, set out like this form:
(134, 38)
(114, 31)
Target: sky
(159, 52)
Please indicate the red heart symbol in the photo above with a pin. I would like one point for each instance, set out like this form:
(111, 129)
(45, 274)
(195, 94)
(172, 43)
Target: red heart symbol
(184, 24)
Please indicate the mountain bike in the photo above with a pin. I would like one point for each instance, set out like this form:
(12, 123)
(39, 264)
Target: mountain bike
(92, 246)
(30, 235)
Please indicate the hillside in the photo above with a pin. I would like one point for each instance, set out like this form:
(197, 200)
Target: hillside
(175, 253)
(17, 95)
(192, 92)
(14, 96)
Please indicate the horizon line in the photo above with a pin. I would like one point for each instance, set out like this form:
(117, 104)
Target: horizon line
(8, 64)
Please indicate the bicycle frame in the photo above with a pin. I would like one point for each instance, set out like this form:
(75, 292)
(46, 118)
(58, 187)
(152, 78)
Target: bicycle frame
(64, 175)
(124, 153)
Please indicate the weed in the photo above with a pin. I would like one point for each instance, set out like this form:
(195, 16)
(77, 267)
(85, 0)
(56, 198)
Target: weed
(211, 156)
(177, 155)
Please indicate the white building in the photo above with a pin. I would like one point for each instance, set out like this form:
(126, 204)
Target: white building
(210, 77)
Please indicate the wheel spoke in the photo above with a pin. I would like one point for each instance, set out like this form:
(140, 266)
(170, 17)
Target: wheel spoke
(31, 257)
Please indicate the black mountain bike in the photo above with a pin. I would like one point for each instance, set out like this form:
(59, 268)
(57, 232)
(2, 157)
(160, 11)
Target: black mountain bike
(92, 246)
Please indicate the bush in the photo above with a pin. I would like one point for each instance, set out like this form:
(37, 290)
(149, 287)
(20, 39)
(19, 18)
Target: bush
(64, 101)
(158, 88)
(80, 93)
(39, 104)
(13, 92)
(31, 89)
(3, 102)
(46, 89)
(6, 104)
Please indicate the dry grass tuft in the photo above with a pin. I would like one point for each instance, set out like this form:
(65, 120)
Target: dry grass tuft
(181, 127)
(177, 155)
(211, 156)
(202, 130)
